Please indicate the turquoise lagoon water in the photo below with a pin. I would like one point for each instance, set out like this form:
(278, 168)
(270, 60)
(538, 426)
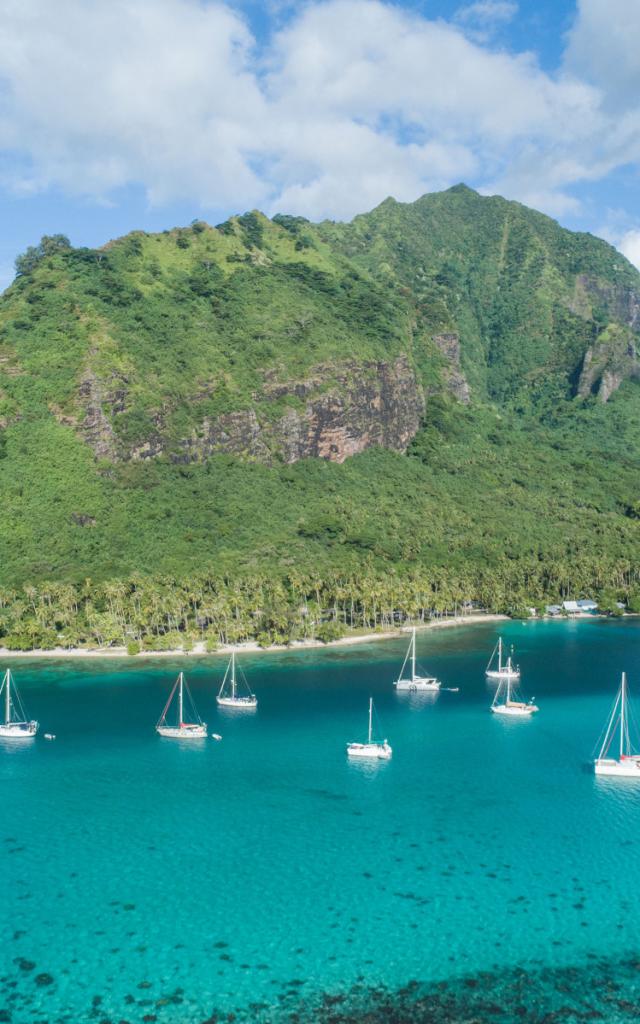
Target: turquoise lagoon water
(482, 871)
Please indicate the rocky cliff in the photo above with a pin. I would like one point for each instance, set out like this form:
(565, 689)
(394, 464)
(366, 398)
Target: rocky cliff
(335, 412)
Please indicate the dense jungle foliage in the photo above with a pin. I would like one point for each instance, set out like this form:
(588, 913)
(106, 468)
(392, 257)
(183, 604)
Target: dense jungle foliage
(524, 495)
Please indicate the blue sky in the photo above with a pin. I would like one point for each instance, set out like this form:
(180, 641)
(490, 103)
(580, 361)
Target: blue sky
(123, 114)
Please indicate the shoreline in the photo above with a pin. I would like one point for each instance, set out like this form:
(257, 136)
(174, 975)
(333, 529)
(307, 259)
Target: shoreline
(251, 646)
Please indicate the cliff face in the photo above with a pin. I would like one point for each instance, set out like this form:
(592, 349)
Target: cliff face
(455, 380)
(338, 411)
(279, 340)
(610, 361)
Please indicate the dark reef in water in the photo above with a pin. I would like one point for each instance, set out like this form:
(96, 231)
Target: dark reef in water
(598, 990)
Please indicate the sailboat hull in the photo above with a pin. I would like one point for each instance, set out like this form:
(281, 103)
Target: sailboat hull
(241, 703)
(18, 731)
(418, 684)
(628, 768)
(375, 751)
(503, 673)
(184, 732)
(515, 711)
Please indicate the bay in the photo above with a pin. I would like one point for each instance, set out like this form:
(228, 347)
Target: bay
(266, 876)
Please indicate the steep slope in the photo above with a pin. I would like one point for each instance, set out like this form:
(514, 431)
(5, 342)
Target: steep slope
(440, 398)
(528, 299)
(237, 339)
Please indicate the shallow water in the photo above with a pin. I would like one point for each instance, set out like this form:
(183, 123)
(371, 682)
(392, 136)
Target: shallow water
(265, 875)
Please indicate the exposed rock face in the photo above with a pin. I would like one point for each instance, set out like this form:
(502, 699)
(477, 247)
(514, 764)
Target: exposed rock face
(96, 397)
(612, 360)
(338, 411)
(237, 433)
(346, 410)
(621, 303)
(449, 345)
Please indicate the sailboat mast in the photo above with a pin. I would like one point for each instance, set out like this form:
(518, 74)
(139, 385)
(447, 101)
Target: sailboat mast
(499, 654)
(7, 697)
(623, 713)
(233, 674)
(413, 655)
(180, 700)
(370, 718)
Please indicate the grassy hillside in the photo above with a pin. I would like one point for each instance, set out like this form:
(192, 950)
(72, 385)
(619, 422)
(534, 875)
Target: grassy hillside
(160, 398)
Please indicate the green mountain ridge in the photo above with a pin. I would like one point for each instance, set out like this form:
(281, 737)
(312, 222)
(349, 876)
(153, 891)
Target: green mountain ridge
(443, 391)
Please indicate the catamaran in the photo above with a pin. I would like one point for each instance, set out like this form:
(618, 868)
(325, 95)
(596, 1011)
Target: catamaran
(503, 671)
(627, 763)
(506, 701)
(229, 695)
(181, 730)
(16, 725)
(379, 749)
(415, 681)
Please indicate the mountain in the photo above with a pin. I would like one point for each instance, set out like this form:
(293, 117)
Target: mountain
(444, 390)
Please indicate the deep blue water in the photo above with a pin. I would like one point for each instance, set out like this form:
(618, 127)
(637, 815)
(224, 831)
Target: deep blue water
(146, 879)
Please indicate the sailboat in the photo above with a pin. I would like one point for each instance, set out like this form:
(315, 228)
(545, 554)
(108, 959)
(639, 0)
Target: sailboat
(505, 704)
(16, 726)
(503, 671)
(228, 695)
(372, 748)
(627, 763)
(414, 682)
(181, 730)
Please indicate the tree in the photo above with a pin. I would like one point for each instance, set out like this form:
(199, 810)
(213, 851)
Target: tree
(49, 245)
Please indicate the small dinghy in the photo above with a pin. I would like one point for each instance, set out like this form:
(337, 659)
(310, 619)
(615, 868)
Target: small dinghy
(232, 695)
(503, 670)
(377, 749)
(415, 682)
(16, 725)
(49, 736)
(627, 763)
(181, 730)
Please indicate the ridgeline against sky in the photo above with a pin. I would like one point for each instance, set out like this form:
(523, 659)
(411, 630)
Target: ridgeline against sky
(148, 113)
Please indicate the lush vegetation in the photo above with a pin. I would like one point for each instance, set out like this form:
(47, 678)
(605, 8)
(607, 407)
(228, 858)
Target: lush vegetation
(526, 495)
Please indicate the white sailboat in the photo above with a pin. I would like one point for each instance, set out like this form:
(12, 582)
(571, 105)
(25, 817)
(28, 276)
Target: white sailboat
(506, 701)
(627, 763)
(503, 671)
(16, 725)
(414, 682)
(379, 749)
(181, 730)
(229, 695)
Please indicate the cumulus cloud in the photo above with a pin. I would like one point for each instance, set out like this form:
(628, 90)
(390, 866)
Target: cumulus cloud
(629, 246)
(345, 102)
(603, 49)
(482, 18)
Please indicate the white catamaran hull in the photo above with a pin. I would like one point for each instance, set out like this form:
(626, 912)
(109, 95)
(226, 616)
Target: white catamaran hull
(185, 732)
(417, 684)
(377, 751)
(243, 703)
(514, 711)
(628, 768)
(18, 731)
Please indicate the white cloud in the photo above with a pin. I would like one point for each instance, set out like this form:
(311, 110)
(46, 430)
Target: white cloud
(604, 47)
(484, 17)
(347, 102)
(629, 246)
(488, 11)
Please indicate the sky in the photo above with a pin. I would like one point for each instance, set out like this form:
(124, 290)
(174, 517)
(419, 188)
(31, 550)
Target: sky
(118, 115)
